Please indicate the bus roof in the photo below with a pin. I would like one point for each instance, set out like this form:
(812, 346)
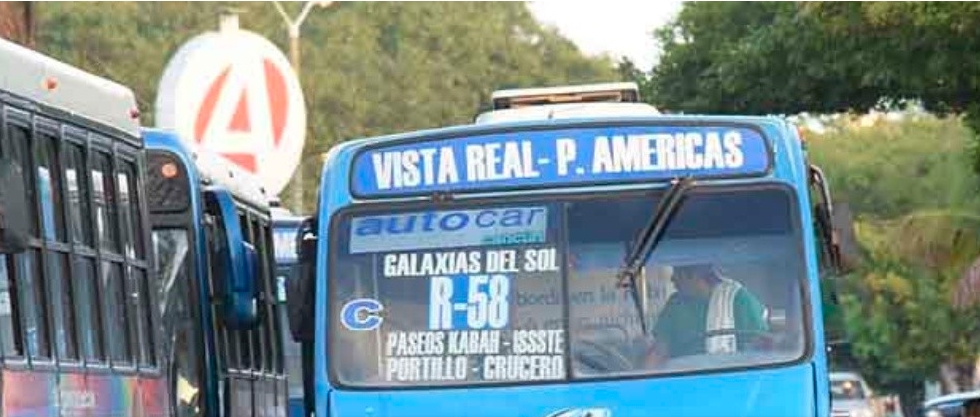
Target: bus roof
(475, 129)
(621, 92)
(39, 78)
(213, 168)
(567, 111)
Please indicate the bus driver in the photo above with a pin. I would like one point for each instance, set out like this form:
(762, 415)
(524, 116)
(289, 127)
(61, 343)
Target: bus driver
(709, 313)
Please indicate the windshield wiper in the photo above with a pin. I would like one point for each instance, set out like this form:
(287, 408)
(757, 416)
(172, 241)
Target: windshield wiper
(647, 240)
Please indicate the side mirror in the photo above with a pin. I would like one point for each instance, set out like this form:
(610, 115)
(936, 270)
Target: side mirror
(831, 227)
(301, 289)
(13, 208)
(236, 260)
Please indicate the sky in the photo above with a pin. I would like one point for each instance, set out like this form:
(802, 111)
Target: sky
(617, 27)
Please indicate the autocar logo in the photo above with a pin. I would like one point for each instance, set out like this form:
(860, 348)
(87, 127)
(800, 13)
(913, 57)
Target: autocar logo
(582, 412)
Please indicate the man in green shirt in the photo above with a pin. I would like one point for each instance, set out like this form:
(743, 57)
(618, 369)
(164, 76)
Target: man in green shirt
(708, 314)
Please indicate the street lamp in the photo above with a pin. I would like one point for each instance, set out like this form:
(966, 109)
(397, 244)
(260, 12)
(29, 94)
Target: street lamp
(292, 27)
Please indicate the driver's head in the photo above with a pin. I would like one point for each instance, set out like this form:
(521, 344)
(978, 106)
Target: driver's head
(695, 279)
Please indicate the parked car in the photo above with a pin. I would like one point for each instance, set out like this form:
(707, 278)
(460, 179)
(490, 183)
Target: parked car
(950, 405)
(850, 395)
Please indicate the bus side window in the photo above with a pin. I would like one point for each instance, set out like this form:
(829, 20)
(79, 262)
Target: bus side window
(11, 339)
(251, 339)
(227, 350)
(267, 307)
(270, 303)
(49, 184)
(112, 274)
(55, 256)
(261, 332)
(27, 265)
(11, 343)
(77, 184)
(244, 336)
(139, 289)
(87, 300)
(104, 195)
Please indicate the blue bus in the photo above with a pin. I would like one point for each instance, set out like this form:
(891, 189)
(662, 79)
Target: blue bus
(573, 252)
(284, 228)
(212, 235)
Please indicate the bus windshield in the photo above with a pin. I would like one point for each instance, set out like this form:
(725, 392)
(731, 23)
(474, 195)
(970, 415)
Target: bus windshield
(525, 290)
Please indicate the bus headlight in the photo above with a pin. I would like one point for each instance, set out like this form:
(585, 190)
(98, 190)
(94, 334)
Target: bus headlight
(933, 413)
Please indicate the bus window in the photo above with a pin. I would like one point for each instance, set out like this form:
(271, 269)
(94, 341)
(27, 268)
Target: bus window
(84, 293)
(61, 306)
(88, 305)
(10, 341)
(34, 314)
(78, 193)
(245, 348)
(106, 217)
(49, 184)
(140, 308)
(53, 229)
(227, 351)
(264, 246)
(18, 148)
(180, 326)
(127, 222)
(113, 288)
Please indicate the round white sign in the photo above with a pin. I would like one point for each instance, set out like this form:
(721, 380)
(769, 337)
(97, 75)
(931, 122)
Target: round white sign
(234, 93)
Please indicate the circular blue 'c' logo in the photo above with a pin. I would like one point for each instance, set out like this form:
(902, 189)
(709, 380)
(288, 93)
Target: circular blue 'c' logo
(362, 314)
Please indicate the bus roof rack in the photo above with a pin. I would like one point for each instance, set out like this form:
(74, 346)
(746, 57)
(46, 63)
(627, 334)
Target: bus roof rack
(622, 92)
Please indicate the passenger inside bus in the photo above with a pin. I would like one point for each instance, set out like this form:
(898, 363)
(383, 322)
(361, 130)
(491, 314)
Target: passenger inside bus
(709, 313)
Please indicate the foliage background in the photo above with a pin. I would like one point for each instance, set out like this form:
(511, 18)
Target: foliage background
(367, 68)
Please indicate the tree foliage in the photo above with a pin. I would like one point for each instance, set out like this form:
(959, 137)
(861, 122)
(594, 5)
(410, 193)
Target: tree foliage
(775, 57)
(916, 204)
(366, 68)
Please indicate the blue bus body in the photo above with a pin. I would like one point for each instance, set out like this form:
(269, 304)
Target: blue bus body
(754, 209)
(220, 368)
(284, 227)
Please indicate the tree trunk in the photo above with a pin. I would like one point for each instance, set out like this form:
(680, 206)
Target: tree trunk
(910, 395)
(957, 377)
(17, 22)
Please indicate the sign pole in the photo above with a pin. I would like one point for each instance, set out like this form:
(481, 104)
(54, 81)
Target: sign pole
(236, 94)
(293, 27)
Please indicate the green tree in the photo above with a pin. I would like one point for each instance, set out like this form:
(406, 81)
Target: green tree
(818, 56)
(915, 204)
(367, 68)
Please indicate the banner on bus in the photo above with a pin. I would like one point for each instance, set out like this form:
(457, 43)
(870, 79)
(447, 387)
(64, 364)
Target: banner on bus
(524, 159)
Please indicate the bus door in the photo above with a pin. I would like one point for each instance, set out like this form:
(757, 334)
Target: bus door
(246, 347)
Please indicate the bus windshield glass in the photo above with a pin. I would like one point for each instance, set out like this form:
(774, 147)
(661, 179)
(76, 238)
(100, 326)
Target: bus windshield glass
(525, 290)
